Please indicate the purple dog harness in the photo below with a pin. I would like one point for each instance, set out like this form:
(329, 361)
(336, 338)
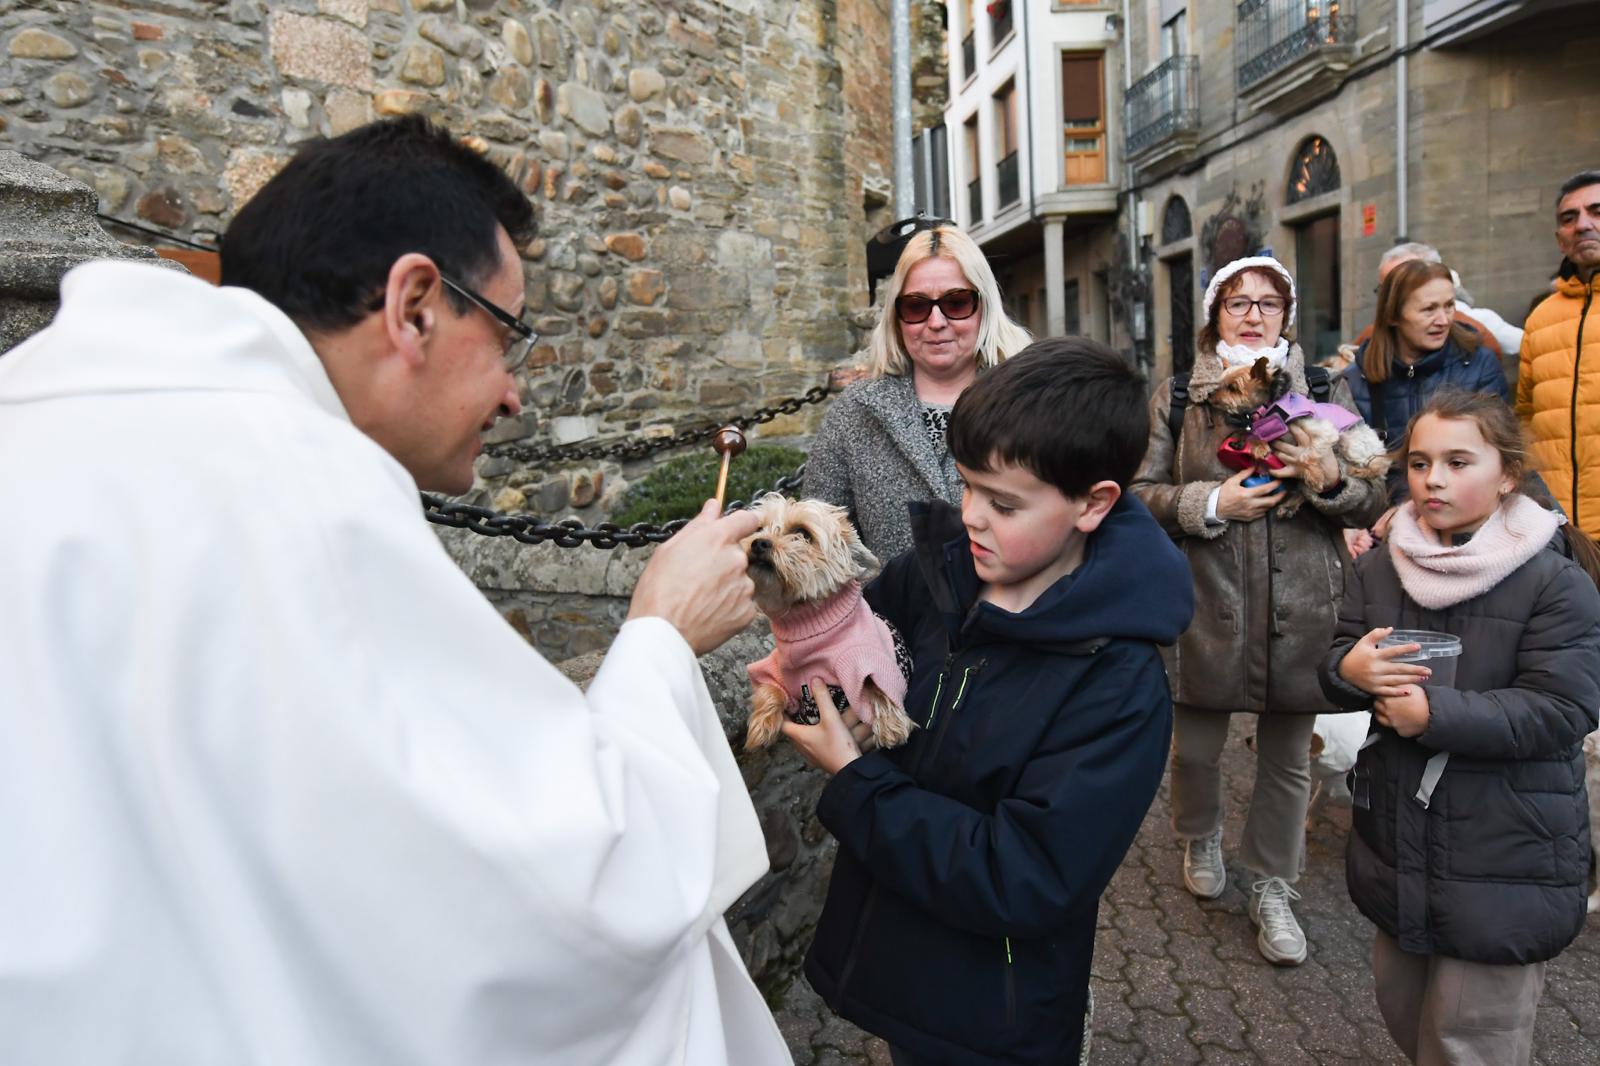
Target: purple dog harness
(1271, 421)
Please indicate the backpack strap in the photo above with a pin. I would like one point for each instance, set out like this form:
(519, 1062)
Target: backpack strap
(1320, 382)
(1180, 402)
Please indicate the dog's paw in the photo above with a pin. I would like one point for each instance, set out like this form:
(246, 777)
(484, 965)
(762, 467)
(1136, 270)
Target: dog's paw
(766, 717)
(891, 726)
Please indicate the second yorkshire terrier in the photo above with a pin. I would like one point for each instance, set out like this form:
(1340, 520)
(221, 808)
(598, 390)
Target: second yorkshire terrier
(1245, 389)
(807, 563)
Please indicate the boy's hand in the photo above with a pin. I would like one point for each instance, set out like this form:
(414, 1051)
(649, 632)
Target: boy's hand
(1373, 670)
(1406, 714)
(828, 745)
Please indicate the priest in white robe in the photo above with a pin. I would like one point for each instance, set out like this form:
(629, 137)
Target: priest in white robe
(277, 785)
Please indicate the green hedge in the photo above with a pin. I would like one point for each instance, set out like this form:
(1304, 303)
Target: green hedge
(677, 488)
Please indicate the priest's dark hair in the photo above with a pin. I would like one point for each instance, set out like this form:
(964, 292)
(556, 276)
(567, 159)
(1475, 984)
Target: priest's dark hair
(1070, 410)
(318, 240)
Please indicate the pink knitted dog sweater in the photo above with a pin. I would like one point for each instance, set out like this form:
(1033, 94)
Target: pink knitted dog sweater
(839, 640)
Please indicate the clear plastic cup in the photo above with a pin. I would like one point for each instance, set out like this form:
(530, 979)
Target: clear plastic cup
(1439, 653)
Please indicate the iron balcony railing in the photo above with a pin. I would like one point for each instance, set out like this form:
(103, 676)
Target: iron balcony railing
(969, 55)
(974, 201)
(1164, 102)
(1006, 181)
(1275, 33)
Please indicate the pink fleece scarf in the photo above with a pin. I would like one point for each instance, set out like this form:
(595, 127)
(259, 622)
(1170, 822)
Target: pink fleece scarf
(1436, 575)
(839, 640)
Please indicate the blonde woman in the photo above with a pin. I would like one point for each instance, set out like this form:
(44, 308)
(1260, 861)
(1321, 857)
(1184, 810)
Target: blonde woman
(882, 443)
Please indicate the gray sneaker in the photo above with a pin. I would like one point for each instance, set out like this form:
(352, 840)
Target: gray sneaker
(1280, 941)
(1204, 875)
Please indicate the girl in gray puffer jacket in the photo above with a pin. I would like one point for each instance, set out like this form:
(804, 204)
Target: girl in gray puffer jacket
(1469, 843)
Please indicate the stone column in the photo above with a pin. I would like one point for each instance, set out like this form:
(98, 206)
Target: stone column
(1055, 279)
(47, 227)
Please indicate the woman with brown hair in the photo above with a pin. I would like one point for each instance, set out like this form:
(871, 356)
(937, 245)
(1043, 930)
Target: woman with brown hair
(1266, 592)
(1416, 347)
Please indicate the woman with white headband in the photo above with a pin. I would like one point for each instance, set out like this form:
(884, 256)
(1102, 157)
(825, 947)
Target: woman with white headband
(1267, 590)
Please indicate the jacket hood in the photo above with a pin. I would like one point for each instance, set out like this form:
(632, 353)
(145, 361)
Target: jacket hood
(1101, 600)
(134, 327)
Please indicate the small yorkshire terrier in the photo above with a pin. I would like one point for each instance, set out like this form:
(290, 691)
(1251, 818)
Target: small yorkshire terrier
(1246, 389)
(808, 563)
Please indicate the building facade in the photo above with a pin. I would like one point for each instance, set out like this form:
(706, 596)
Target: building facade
(1329, 130)
(1323, 131)
(1035, 156)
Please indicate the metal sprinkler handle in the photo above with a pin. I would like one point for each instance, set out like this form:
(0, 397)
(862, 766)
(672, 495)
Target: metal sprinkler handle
(728, 442)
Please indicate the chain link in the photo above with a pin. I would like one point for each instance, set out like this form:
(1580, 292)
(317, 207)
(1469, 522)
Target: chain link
(569, 532)
(635, 449)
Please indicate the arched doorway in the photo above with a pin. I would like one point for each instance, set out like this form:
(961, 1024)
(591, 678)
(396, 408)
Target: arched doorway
(1176, 226)
(1314, 174)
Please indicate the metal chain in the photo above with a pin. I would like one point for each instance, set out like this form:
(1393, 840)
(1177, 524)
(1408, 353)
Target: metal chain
(569, 532)
(635, 449)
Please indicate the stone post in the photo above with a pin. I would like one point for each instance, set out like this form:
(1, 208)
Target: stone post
(47, 227)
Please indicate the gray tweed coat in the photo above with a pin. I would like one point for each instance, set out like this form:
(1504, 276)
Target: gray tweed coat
(872, 457)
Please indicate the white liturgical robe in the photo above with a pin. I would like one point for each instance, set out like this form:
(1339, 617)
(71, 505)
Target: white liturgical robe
(278, 786)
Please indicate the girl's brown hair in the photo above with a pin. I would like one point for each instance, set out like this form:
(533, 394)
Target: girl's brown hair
(1502, 432)
(1377, 362)
(1208, 333)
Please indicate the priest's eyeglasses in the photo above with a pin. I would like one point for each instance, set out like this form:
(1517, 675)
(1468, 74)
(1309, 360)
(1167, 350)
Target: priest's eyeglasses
(522, 336)
(1239, 306)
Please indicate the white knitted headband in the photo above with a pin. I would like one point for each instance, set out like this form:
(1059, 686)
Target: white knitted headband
(1249, 262)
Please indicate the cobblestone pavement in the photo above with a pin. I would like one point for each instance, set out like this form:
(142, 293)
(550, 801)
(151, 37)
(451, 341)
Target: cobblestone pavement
(1179, 981)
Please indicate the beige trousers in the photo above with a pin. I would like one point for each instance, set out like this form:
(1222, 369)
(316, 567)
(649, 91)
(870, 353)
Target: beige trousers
(1275, 827)
(1447, 1012)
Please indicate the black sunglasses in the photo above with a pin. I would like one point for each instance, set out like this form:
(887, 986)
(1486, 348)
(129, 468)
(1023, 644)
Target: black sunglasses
(523, 335)
(955, 305)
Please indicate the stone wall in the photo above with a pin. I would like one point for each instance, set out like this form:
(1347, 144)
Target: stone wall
(705, 173)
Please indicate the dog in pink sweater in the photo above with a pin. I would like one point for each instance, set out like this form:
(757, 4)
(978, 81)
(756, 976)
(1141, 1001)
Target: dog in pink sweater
(808, 563)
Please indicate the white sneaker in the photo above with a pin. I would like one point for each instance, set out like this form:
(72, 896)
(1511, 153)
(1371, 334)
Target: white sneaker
(1204, 875)
(1280, 941)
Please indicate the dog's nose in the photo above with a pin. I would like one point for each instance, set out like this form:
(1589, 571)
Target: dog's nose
(760, 548)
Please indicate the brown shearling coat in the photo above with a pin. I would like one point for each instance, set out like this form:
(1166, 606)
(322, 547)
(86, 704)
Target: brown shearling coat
(1266, 592)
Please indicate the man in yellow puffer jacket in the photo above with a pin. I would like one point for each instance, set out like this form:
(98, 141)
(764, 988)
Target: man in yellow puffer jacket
(1558, 381)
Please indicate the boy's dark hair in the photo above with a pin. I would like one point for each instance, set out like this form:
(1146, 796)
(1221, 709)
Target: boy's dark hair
(318, 240)
(1581, 179)
(1068, 409)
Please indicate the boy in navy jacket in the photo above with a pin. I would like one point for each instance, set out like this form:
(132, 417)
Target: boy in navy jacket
(960, 919)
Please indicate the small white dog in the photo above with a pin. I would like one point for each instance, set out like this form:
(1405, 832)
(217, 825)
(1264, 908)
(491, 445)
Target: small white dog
(808, 562)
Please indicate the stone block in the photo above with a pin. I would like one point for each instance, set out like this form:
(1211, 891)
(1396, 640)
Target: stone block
(318, 50)
(247, 171)
(645, 286)
(67, 90)
(351, 11)
(147, 31)
(34, 43)
(453, 37)
(423, 65)
(645, 82)
(347, 110)
(515, 37)
(628, 245)
(401, 102)
(164, 208)
(628, 123)
(584, 107)
(511, 88)
(684, 145)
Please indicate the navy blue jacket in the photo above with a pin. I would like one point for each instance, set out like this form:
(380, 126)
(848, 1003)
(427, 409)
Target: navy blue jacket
(960, 919)
(1409, 387)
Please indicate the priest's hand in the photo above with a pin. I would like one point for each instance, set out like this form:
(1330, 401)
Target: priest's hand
(829, 745)
(697, 580)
